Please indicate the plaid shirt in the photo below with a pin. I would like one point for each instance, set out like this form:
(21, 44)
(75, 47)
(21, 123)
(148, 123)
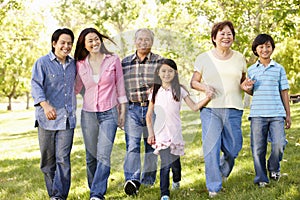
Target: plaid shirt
(138, 75)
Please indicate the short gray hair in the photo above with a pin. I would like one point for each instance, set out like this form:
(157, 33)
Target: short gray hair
(144, 30)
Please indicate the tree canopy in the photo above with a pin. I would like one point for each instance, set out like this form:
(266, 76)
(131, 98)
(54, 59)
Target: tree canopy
(182, 31)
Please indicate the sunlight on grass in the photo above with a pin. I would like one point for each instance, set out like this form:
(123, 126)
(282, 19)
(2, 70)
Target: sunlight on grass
(21, 178)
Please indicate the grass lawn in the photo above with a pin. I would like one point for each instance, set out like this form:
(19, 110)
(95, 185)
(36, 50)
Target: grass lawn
(21, 178)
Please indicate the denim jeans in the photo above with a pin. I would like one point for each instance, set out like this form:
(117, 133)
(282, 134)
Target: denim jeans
(262, 130)
(168, 161)
(55, 147)
(135, 129)
(221, 131)
(99, 131)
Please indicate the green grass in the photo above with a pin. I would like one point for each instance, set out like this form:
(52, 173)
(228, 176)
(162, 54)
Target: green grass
(21, 178)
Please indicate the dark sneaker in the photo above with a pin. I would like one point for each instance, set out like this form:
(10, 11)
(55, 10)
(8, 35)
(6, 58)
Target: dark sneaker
(130, 188)
(275, 176)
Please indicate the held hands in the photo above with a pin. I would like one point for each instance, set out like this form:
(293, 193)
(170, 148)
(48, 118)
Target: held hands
(247, 85)
(151, 139)
(210, 92)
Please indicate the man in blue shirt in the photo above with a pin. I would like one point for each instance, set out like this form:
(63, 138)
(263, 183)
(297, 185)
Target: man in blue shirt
(53, 78)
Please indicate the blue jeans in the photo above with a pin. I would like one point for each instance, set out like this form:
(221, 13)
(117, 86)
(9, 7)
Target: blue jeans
(99, 131)
(262, 130)
(135, 129)
(168, 161)
(221, 131)
(55, 147)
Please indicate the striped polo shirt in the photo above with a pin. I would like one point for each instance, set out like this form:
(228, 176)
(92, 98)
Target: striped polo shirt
(269, 81)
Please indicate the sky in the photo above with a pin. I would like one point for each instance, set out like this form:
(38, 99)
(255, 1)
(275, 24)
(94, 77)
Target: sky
(38, 5)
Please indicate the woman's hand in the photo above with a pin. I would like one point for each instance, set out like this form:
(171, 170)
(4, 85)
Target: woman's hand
(121, 117)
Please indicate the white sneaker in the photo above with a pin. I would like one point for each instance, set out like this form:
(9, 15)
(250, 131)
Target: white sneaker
(95, 198)
(165, 197)
(175, 185)
(212, 194)
(262, 184)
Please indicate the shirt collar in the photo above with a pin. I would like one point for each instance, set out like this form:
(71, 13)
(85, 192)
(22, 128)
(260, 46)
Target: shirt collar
(258, 63)
(135, 57)
(163, 89)
(86, 60)
(53, 57)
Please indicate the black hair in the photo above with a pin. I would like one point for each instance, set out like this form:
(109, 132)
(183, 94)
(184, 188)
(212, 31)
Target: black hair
(58, 33)
(262, 39)
(81, 52)
(175, 85)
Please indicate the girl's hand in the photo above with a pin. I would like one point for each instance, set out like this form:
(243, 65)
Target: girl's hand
(210, 92)
(151, 140)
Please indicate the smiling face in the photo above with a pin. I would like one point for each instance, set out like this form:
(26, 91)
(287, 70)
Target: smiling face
(166, 74)
(224, 38)
(143, 42)
(63, 47)
(264, 51)
(92, 43)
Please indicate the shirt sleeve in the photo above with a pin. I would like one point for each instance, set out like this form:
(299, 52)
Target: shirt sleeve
(184, 92)
(79, 83)
(150, 96)
(37, 80)
(283, 85)
(198, 64)
(120, 82)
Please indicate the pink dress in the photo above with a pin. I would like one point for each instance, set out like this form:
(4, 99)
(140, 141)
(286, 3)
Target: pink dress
(167, 123)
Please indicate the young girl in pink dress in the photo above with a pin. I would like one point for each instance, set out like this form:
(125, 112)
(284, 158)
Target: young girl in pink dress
(164, 124)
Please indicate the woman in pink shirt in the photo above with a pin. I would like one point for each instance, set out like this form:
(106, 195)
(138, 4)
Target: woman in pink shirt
(100, 78)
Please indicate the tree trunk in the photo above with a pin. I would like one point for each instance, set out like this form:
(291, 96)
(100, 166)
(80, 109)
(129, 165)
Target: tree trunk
(9, 103)
(27, 100)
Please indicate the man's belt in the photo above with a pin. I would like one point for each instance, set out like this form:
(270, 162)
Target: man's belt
(143, 104)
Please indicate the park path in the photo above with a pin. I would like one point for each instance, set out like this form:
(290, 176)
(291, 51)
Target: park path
(20, 120)
(17, 121)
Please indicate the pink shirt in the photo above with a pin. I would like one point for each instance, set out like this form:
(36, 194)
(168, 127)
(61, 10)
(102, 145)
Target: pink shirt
(110, 89)
(167, 124)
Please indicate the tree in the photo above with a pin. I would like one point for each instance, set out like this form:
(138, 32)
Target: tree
(17, 52)
(107, 16)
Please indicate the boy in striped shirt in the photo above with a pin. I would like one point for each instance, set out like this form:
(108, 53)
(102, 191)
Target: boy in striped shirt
(269, 111)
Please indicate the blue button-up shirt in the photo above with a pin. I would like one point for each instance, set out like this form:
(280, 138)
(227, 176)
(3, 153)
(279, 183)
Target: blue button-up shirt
(54, 83)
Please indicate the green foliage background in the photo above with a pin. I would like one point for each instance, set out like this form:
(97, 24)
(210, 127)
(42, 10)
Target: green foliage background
(182, 31)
